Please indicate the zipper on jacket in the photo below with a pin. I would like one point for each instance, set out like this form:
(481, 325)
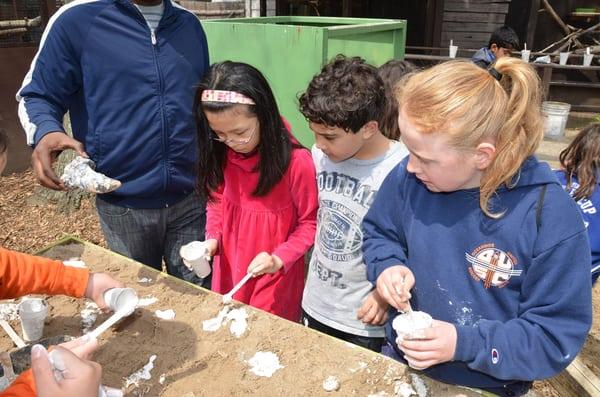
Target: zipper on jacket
(155, 49)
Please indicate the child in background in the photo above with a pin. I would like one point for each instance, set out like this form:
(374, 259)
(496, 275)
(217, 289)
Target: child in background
(480, 232)
(260, 182)
(502, 43)
(580, 176)
(343, 104)
(22, 274)
(391, 73)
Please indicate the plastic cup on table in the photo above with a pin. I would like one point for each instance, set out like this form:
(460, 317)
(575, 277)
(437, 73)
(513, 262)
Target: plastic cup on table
(33, 313)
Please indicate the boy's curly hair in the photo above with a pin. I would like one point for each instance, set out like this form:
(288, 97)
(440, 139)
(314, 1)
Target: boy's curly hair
(347, 93)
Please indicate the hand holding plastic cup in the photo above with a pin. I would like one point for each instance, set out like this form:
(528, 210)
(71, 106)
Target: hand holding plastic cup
(196, 257)
(121, 299)
(563, 57)
(33, 312)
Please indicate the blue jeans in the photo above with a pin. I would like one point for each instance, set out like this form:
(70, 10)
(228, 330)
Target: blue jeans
(151, 235)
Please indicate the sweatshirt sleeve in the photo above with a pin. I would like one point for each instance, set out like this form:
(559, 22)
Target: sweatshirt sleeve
(384, 243)
(23, 386)
(554, 318)
(22, 274)
(54, 76)
(303, 187)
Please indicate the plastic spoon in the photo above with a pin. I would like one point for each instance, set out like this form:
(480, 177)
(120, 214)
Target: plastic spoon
(227, 298)
(13, 335)
(408, 307)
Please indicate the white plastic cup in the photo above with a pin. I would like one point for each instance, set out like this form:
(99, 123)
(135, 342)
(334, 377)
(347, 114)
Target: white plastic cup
(587, 59)
(33, 313)
(525, 54)
(121, 299)
(195, 256)
(563, 57)
(452, 50)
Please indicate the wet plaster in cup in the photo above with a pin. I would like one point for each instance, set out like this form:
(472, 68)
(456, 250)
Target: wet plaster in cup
(168, 314)
(264, 364)
(141, 374)
(411, 325)
(237, 317)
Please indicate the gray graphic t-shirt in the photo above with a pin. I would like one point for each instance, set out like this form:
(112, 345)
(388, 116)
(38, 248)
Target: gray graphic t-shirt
(337, 285)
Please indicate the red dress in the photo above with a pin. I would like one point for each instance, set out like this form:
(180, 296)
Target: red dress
(282, 223)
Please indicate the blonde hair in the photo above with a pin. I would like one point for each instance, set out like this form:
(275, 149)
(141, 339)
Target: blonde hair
(465, 101)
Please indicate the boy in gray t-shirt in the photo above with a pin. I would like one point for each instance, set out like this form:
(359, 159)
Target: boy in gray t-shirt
(344, 104)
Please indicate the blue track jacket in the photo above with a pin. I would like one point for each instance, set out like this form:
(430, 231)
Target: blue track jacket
(130, 94)
(518, 292)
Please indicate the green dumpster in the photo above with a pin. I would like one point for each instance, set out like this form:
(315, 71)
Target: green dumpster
(290, 50)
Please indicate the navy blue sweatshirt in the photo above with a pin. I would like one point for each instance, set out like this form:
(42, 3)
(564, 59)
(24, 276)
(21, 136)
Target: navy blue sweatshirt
(590, 211)
(129, 92)
(518, 294)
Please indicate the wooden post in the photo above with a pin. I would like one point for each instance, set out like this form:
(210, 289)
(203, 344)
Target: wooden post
(532, 24)
(347, 8)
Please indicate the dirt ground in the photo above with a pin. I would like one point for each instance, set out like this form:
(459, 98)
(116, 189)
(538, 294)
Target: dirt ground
(193, 362)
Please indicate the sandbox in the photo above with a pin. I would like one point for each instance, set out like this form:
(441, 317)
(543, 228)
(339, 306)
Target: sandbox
(192, 362)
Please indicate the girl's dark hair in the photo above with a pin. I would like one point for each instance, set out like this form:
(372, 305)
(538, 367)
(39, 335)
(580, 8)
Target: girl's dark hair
(275, 145)
(347, 93)
(391, 73)
(581, 159)
(3, 140)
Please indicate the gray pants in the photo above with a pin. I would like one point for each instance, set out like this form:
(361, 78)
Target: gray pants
(151, 235)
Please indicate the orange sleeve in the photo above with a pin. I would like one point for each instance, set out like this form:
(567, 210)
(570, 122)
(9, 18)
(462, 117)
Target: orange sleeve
(22, 274)
(23, 386)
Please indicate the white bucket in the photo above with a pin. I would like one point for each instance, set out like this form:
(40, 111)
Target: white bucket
(556, 115)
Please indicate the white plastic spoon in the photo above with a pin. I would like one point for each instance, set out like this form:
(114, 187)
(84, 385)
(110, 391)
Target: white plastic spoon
(227, 298)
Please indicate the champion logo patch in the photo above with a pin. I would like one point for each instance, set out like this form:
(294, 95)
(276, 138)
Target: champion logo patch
(495, 356)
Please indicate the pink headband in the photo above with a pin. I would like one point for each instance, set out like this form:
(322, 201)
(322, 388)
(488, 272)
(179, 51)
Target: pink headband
(225, 96)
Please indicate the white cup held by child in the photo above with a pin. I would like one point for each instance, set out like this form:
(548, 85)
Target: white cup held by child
(33, 313)
(121, 299)
(195, 257)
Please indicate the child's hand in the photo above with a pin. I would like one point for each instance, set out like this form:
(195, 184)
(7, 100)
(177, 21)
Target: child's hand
(393, 285)
(81, 378)
(437, 345)
(212, 246)
(97, 284)
(374, 309)
(264, 263)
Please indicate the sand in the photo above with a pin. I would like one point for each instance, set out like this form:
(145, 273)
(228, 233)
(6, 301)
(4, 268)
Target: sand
(192, 362)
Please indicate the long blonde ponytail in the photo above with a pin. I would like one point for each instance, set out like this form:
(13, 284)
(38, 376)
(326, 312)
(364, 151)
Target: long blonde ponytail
(468, 103)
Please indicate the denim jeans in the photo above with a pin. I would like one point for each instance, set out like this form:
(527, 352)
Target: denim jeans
(151, 235)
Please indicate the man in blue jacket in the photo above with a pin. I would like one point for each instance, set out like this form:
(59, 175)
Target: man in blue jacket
(126, 70)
